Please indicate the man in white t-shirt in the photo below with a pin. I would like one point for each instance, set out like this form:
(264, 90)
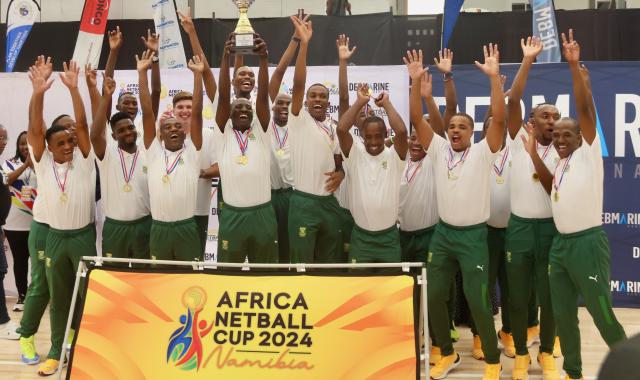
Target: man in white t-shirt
(579, 260)
(374, 176)
(123, 181)
(460, 239)
(173, 169)
(65, 168)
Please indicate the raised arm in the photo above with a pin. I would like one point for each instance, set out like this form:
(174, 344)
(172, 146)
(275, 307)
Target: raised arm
(262, 102)
(224, 90)
(491, 68)
(90, 76)
(344, 55)
(305, 31)
(197, 66)
(401, 141)
(413, 60)
(581, 89)
(544, 175)
(143, 64)
(115, 43)
(285, 60)
(70, 79)
(39, 75)
(207, 75)
(426, 91)
(445, 66)
(346, 121)
(99, 124)
(152, 42)
(530, 50)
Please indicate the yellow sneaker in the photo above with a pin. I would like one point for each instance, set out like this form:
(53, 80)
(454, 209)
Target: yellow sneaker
(49, 367)
(571, 378)
(557, 352)
(548, 365)
(476, 352)
(434, 355)
(506, 340)
(444, 366)
(533, 335)
(492, 371)
(521, 367)
(28, 348)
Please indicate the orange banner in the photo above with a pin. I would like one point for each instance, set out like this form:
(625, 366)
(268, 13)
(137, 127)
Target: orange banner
(204, 326)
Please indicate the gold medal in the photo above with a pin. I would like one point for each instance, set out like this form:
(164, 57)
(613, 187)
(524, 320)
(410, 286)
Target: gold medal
(242, 160)
(556, 196)
(165, 178)
(280, 152)
(499, 180)
(126, 188)
(535, 177)
(64, 197)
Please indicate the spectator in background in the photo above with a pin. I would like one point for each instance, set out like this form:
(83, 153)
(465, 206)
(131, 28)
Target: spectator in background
(338, 7)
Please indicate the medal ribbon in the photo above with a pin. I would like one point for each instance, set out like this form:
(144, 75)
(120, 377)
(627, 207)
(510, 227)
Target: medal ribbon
(418, 166)
(500, 169)
(127, 175)
(546, 151)
(460, 161)
(243, 144)
(171, 168)
(61, 184)
(564, 169)
(328, 130)
(281, 140)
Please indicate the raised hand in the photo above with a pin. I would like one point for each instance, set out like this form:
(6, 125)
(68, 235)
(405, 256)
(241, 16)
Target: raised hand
(152, 42)
(70, 75)
(413, 60)
(44, 65)
(90, 75)
(144, 62)
(342, 43)
(196, 64)
(570, 48)
(304, 30)
(445, 63)
(426, 85)
(186, 21)
(364, 93)
(260, 47)
(39, 81)
(491, 65)
(529, 141)
(531, 47)
(115, 39)
(109, 85)
(382, 100)
(305, 20)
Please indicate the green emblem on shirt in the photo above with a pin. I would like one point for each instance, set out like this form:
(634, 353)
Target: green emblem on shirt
(251, 136)
(144, 169)
(180, 161)
(384, 165)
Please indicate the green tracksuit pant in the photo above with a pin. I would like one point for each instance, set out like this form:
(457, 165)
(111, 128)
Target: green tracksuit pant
(346, 226)
(579, 265)
(374, 246)
(280, 200)
(126, 239)
(202, 222)
(178, 241)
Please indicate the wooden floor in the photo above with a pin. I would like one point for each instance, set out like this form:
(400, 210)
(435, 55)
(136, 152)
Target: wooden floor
(593, 349)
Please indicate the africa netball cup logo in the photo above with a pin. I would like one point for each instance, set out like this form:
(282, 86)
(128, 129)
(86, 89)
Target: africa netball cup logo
(185, 344)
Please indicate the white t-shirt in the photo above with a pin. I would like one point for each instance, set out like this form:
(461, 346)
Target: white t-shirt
(462, 192)
(207, 158)
(342, 194)
(500, 183)
(119, 204)
(23, 194)
(75, 207)
(580, 190)
(374, 187)
(246, 182)
(418, 203)
(175, 199)
(281, 166)
(313, 146)
(529, 199)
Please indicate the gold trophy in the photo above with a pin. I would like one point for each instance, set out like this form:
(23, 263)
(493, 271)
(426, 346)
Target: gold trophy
(244, 33)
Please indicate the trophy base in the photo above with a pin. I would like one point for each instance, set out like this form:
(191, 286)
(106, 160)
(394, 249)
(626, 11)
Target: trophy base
(244, 44)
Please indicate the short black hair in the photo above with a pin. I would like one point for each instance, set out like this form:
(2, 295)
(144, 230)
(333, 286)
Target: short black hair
(540, 105)
(57, 119)
(321, 85)
(117, 117)
(464, 115)
(373, 119)
(53, 130)
(125, 93)
(574, 123)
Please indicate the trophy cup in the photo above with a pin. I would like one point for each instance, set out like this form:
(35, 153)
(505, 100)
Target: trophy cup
(244, 32)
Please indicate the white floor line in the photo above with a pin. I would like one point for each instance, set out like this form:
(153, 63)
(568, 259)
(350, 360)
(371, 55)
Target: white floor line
(7, 362)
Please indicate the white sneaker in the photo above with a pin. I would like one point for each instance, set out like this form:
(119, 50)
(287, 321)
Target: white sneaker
(19, 305)
(8, 331)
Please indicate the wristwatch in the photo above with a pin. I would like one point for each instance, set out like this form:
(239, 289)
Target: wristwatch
(155, 59)
(447, 76)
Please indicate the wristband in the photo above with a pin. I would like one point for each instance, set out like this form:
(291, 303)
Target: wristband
(447, 76)
(296, 39)
(155, 59)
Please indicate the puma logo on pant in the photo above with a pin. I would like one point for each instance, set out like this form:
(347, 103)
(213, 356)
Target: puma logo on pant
(481, 267)
(594, 278)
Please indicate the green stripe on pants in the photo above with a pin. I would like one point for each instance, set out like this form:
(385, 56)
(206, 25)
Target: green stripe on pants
(579, 265)
(64, 250)
(464, 248)
(126, 239)
(374, 247)
(38, 291)
(280, 200)
(175, 241)
(249, 232)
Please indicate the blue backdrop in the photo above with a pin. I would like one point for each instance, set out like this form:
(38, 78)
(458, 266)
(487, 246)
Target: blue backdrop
(616, 90)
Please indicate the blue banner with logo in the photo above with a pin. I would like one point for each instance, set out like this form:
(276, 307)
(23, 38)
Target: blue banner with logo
(21, 14)
(545, 27)
(616, 91)
(451, 13)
